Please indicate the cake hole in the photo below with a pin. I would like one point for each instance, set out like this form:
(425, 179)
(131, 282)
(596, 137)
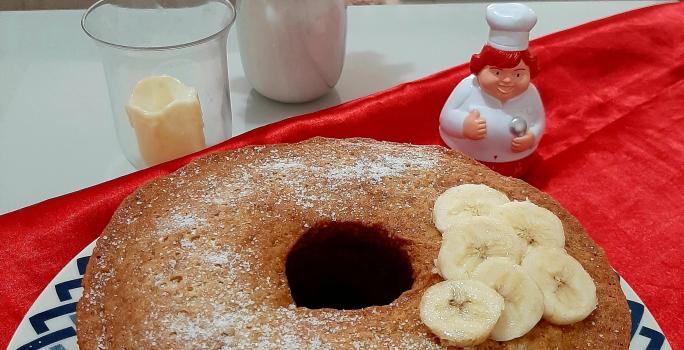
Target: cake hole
(347, 265)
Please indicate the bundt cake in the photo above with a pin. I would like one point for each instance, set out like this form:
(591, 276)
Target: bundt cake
(323, 244)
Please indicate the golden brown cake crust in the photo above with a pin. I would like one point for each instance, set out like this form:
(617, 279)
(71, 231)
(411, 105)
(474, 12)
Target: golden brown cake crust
(196, 259)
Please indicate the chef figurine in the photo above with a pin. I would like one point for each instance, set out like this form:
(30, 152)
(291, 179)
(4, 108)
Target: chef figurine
(495, 115)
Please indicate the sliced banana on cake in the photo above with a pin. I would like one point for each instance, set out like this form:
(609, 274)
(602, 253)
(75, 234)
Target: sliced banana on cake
(461, 313)
(465, 200)
(523, 301)
(569, 292)
(536, 225)
(471, 240)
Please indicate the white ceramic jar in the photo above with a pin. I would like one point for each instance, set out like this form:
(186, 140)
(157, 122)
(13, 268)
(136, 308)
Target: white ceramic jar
(292, 50)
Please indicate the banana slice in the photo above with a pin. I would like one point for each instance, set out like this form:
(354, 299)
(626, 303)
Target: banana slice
(461, 313)
(471, 240)
(465, 200)
(536, 225)
(569, 292)
(523, 301)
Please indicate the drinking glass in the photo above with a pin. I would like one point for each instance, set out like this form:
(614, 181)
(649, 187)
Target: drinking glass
(183, 41)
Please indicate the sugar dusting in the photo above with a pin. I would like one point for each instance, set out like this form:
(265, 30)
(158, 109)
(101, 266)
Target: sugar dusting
(213, 293)
(177, 221)
(375, 169)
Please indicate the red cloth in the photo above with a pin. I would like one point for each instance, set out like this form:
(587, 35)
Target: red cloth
(613, 155)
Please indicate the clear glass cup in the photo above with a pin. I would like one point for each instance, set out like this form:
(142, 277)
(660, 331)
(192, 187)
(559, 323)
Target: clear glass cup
(183, 39)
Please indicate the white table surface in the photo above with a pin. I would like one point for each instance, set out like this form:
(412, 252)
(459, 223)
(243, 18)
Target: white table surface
(56, 132)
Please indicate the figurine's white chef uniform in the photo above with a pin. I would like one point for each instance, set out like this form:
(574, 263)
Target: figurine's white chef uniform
(509, 31)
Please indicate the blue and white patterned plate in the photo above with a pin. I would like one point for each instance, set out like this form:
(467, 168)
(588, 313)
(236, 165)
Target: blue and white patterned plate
(51, 322)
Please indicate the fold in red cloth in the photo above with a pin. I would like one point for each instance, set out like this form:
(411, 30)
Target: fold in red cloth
(613, 155)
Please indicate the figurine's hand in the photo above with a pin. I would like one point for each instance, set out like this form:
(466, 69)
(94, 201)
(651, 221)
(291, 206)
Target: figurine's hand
(474, 127)
(522, 143)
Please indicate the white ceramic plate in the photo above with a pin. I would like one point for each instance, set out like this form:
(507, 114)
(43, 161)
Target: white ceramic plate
(51, 321)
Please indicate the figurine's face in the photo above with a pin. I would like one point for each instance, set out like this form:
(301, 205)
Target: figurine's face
(505, 83)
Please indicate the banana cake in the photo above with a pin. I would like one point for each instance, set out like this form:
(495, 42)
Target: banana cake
(323, 244)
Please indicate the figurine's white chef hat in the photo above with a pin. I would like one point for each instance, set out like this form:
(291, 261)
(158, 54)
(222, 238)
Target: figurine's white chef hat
(509, 26)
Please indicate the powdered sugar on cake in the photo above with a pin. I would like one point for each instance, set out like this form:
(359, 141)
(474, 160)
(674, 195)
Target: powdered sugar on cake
(209, 289)
(294, 173)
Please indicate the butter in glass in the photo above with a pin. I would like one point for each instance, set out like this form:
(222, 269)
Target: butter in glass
(160, 49)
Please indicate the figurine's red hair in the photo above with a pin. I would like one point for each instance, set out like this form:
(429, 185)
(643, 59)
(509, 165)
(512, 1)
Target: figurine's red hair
(490, 56)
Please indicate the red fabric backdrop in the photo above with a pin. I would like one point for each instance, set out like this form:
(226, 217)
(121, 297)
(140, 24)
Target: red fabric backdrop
(613, 155)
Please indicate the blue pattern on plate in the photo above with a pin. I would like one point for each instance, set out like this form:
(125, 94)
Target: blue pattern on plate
(655, 340)
(39, 320)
